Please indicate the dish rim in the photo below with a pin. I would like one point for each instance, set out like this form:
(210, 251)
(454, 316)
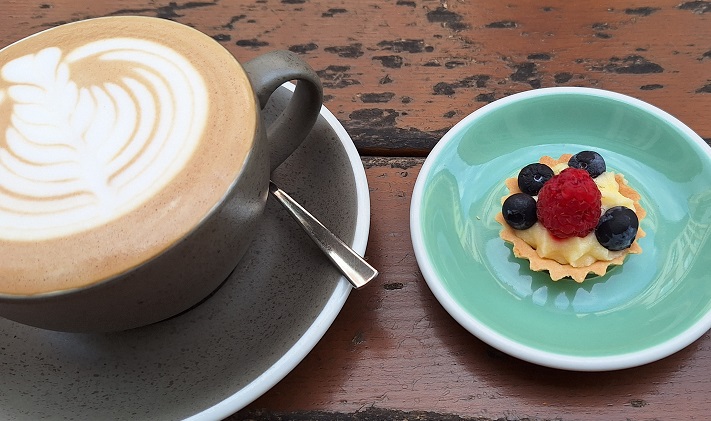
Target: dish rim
(303, 346)
(491, 336)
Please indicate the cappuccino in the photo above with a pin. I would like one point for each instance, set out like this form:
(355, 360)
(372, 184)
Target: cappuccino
(115, 143)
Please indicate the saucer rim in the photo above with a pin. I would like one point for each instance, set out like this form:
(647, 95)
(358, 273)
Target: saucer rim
(303, 346)
(491, 336)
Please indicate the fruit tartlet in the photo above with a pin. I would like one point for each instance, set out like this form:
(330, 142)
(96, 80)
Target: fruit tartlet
(571, 216)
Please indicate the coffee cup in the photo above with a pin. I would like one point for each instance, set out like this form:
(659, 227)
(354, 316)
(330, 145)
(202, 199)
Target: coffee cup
(134, 168)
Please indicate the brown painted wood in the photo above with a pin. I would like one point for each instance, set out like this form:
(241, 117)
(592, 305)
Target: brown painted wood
(393, 347)
(398, 74)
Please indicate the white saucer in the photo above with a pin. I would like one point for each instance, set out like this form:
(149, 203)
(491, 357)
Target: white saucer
(218, 357)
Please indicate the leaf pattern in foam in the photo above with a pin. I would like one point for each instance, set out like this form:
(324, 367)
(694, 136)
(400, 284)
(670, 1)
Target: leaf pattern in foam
(77, 155)
(37, 157)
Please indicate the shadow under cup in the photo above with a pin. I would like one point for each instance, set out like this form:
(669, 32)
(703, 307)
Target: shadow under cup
(161, 162)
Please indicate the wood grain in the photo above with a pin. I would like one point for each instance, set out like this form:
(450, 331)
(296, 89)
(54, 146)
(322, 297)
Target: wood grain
(398, 74)
(393, 347)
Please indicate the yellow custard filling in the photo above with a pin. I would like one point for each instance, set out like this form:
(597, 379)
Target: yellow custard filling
(573, 257)
(578, 251)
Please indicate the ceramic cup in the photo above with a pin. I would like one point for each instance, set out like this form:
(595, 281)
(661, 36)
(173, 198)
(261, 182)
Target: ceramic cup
(134, 168)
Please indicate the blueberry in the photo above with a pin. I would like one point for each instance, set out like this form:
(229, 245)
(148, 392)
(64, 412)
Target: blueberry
(532, 177)
(590, 161)
(519, 211)
(617, 228)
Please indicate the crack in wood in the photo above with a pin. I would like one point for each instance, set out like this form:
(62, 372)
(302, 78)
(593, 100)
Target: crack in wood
(369, 413)
(400, 163)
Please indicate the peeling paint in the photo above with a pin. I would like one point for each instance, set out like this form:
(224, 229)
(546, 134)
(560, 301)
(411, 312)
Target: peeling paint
(562, 77)
(375, 116)
(539, 56)
(392, 61)
(233, 20)
(336, 77)
(393, 141)
(385, 80)
(346, 51)
(303, 48)
(382, 97)
(488, 97)
(698, 7)
(526, 72)
(447, 18)
(504, 24)
(403, 45)
(166, 12)
(332, 12)
(253, 43)
(476, 81)
(704, 89)
(406, 3)
(454, 63)
(633, 64)
(222, 37)
(642, 11)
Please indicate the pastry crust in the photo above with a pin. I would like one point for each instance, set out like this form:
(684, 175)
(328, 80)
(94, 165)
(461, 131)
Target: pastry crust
(558, 271)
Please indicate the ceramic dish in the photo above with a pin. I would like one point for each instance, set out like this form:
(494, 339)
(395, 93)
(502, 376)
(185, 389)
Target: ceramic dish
(216, 358)
(655, 304)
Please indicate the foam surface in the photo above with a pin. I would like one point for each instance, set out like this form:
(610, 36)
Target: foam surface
(80, 154)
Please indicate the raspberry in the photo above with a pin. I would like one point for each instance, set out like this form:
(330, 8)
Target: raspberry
(569, 204)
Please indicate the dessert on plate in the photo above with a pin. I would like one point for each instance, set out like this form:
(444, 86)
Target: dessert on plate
(571, 216)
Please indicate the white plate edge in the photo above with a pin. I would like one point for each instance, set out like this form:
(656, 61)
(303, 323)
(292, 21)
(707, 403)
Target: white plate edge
(493, 338)
(303, 346)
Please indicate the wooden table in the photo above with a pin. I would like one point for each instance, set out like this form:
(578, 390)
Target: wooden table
(398, 74)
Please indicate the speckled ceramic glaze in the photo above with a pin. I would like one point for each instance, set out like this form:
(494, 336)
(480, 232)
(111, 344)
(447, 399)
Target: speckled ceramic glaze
(167, 281)
(655, 304)
(214, 359)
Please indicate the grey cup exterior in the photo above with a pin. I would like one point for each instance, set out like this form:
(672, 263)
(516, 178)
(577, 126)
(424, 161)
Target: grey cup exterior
(170, 283)
(192, 268)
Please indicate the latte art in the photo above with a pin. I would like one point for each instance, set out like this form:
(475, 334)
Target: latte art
(78, 152)
(119, 139)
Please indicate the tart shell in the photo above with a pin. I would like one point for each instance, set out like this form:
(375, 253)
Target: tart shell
(556, 270)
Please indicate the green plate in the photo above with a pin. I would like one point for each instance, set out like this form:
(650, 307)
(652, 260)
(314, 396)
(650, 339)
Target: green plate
(655, 304)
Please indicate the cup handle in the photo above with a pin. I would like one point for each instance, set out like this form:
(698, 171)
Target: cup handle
(269, 71)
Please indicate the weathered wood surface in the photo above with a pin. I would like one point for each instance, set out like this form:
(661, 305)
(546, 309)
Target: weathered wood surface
(398, 74)
(394, 348)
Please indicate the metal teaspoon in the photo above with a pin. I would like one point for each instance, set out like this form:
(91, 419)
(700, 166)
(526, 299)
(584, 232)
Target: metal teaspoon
(349, 263)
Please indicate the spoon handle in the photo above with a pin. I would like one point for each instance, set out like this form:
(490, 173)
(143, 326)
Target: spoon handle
(352, 266)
